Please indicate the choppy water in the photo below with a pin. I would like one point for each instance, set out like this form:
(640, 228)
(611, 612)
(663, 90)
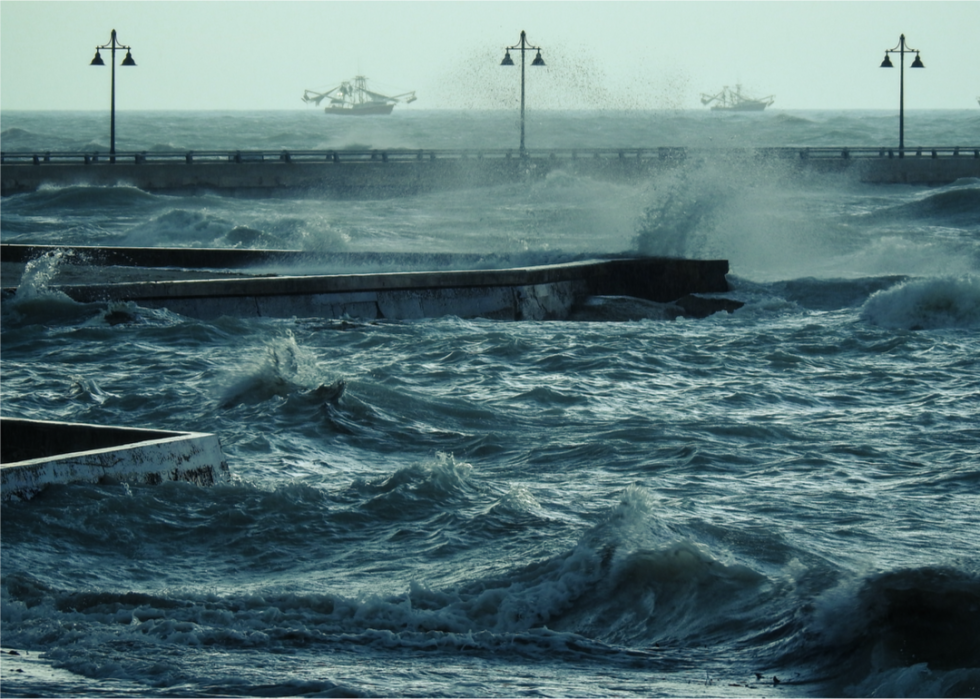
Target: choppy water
(475, 508)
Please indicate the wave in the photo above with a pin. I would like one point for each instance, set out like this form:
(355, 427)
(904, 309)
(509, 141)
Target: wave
(827, 294)
(14, 133)
(280, 369)
(179, 227)
(188, 227)
(782, 118)
(909, 632)
(634, 589)
(412, 491)
(88, 390)
(38, 300)
(17, 138)
(35, 300)
(168, 147)
(926, 304)
(956, 204)
(605, 309)
(752, 213)
(590, 599)
(80, 197)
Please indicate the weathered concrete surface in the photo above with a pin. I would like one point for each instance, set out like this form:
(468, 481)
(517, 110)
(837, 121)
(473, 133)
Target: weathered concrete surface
(348, 178)
(256, 260)
(38, 453)
(911, 169)
(544, 292)
(377, 178)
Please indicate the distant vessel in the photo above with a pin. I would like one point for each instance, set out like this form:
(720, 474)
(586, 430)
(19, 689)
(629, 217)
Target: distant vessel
(734, 101)
(354, 98)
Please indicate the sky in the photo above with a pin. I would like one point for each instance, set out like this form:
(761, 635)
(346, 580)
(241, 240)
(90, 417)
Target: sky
(641, 54)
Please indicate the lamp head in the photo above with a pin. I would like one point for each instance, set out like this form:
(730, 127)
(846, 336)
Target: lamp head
(538, 61)
(887, 63)
(97, 61)
(508, 61)
(128, 61)
(917, 63)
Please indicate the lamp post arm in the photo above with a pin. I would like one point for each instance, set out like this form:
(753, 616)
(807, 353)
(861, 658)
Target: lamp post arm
(523, 45)
(114, 43)
(902, 47)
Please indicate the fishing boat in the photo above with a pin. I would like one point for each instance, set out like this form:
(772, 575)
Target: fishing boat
(352, 97)
(729, 100)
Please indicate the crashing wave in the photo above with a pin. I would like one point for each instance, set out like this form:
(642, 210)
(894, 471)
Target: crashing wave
(926, 304)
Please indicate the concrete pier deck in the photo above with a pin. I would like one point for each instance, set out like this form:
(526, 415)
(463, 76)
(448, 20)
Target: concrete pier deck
(398, 172)
(37, 453)
(209, 283)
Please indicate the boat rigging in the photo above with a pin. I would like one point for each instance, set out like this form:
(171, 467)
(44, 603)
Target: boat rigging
(352, 97)
(735, 101)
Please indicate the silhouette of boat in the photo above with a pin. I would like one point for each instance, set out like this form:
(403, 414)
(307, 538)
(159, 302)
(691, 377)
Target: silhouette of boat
(730, 100)
(352, 97)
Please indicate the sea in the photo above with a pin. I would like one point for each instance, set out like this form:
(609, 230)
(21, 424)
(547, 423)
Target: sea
(781, 501)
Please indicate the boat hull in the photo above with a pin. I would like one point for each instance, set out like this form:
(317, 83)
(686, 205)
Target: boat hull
(743, 107)
(366, 110)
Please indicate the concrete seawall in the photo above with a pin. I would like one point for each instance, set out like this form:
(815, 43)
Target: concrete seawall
(397, 173)
(211, 283)
(543, 292)
(38, 453)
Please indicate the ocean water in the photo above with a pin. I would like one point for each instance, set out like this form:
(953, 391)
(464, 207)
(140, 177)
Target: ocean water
(781, 501)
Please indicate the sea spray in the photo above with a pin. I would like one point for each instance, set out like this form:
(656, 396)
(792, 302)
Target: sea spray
(277, 369)
(36, 299)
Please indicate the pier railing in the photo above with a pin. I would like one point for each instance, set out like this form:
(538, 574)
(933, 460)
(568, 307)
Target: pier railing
(191, 157)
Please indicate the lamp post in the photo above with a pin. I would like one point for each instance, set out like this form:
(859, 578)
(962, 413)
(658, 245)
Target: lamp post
(901, 50)
(522, 46)
(97, 61)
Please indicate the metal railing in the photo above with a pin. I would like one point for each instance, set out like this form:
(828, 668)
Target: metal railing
(191, 157)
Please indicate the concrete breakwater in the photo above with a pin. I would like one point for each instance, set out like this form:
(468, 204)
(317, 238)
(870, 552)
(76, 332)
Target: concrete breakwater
(379, 173)
(37, 453)
(211, 283)
(251, 283)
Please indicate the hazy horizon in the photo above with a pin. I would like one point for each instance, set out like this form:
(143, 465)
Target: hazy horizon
(261, 56)
(405, 108)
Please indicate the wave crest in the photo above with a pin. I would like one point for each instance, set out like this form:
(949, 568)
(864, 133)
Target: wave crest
(908, 632)
(925, 304)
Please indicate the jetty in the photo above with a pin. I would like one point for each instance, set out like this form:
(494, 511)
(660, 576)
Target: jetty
(399, 172)
(37, 453)
(121, 283)
(209, 283)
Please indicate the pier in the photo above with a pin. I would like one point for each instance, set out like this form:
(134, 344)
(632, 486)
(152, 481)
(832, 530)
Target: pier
(398, 172)
(209, 283)
(38, 453)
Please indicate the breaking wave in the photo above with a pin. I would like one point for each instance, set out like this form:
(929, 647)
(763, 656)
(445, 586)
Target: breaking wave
(926, 304)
